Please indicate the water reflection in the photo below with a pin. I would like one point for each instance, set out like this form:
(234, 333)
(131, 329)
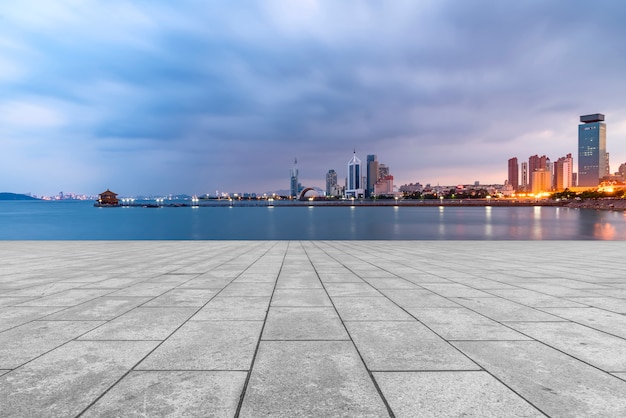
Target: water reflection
(488, 225)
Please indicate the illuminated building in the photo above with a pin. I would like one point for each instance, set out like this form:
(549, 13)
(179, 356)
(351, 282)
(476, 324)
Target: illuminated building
(592, 158)
(541, 181)
(563, 178)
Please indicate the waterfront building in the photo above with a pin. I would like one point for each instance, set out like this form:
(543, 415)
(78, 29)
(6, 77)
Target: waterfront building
(383, 171)
(108, 198)
(331, 183)
(354, 180)
(372, 174)
(384, 186)
(541, 181)
(592, 158)
(524, 184)
(563, 178)
(513, 173)
(411, 188)
(535, 163)
(294, 185)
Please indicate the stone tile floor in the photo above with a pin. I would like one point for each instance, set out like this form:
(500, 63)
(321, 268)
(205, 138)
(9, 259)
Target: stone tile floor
(315, 328)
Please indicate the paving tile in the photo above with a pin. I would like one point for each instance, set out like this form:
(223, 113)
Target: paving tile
(71, 297)
(43, 289)
(317, 323)
(298, 283)
(143, 289)
(142, 324)
(13, 300)
(534, 299)
(65, 381)
(248, 289)
(17, 315)
(172, 393)
(463, 324)
(339, 277)
(420, 298)
(351, 289)
(234, 308)
(609, 322)
(24, 343)
(207, 345)
(610, 304)
(451, 394)
(300, 297)
(310, 379)
(552, 381)
(504, 310)
(183, 298)
(115, 283)
(358, 308)
(594, 347)
(4, 372)
(390, 283)
(457, 290)
(201, 282)
(398, 345)
(102, 308)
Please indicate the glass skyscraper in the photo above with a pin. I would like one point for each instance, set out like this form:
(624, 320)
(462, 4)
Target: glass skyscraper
(354, 188)
(591, 150)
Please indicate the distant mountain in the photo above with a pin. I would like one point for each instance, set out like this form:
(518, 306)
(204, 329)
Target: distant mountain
(15, 196)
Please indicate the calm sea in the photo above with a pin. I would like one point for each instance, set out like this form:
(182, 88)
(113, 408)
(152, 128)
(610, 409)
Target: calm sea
(65, 220)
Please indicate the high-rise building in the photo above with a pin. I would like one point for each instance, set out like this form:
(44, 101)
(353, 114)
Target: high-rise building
(383, 171)
(563, 176)
(372, 174)
(514, 173)
(541, 181)
(524, 176)
(592, 158)
(535, 163)
(354, 186)
(331, 182)
(294, 179)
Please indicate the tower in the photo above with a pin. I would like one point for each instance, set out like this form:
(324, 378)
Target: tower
(514, 173)
(331, 182)
(354, 188)
(592, 156)
(294, 179)
(372, 174)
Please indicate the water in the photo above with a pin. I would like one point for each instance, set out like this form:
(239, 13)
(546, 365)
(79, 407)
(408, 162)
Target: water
(66, 220)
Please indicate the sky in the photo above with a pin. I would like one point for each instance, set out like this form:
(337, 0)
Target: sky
(157, 97)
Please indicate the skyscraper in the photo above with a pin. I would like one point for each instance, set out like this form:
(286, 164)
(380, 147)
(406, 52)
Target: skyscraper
(514, 173)
(372, 174)
(535, 163)
(331, 182)
(354, 186)
(294, 179)
(592, 156)
(563, 173)
(525, 176)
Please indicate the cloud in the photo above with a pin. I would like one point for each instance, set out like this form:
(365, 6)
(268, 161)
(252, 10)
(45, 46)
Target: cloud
(438, 89)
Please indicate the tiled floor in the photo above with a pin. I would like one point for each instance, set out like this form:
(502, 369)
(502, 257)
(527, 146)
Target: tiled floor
(314, 328)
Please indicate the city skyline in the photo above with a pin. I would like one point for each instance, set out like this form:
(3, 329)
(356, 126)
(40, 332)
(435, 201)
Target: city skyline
(191, 98)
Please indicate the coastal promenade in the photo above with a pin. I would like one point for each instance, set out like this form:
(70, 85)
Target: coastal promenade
(312, 328)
